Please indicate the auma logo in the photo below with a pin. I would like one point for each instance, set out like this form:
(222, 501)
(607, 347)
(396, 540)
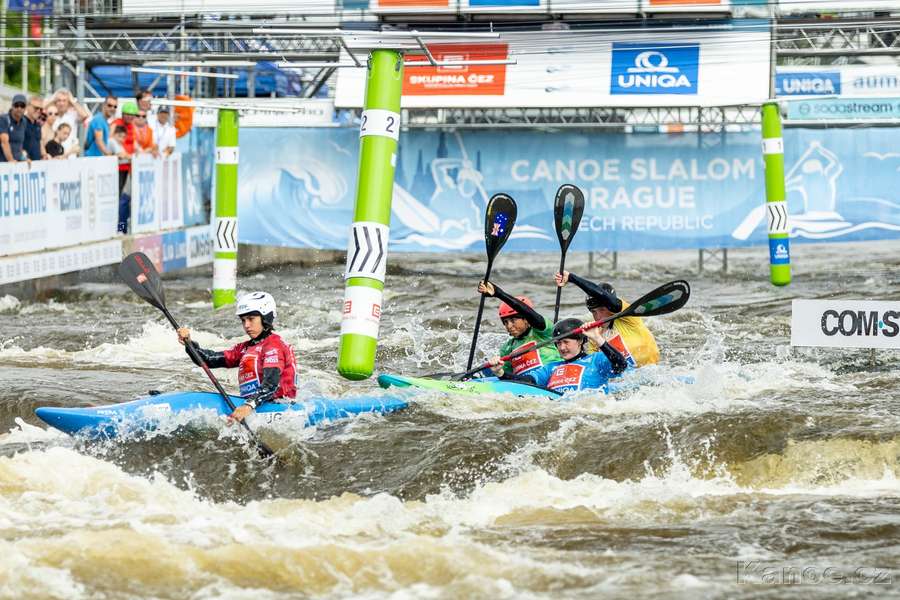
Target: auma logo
(655, 69)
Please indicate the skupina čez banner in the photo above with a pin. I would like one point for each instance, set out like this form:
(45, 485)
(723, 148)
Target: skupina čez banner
(647, 191)
(51, 204)
(652, 67)
(845, 324)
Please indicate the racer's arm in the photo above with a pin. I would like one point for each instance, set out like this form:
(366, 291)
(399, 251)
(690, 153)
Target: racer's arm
(618, 362)
(271, 380)
(529, 314)
(592, 289)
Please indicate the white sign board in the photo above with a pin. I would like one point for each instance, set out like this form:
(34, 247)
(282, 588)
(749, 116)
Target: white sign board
(156, 191)
(56, 203)
(234, 7)
(649, 67)
(845, 323)
(55, 262)
(199, 245)
(283, 112)
(842, 6)
(856, 81)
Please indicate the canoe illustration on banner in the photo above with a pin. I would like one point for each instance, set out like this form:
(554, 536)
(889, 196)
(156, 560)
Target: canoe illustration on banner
(440, 207)
(817, 208)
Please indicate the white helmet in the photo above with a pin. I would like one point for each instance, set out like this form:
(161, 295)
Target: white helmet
(257, 302)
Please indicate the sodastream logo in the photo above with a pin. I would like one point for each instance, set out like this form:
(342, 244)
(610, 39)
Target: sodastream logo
(639, 68)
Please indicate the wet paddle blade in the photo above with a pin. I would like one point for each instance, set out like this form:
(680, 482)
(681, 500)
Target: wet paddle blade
(568, 208)
(665, 299)
(500, 218)
(138, 272)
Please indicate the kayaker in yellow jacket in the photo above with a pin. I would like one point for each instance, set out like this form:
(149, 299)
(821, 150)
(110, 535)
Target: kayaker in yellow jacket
(629, 335)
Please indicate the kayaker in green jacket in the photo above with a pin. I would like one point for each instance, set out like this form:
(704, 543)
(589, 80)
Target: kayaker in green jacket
(526, 327)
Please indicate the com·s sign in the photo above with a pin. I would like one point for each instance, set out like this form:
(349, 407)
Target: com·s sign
(845, 323)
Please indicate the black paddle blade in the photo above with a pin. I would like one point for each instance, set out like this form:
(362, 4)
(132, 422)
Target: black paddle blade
(138, 272)
(667, 298)
(499, 221)
(567, 210)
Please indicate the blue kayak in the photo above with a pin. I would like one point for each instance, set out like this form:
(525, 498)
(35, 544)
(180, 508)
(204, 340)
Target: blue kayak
(145, 414)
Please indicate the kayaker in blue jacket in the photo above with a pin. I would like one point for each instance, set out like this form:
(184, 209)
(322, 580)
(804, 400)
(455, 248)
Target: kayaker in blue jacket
(577, 370)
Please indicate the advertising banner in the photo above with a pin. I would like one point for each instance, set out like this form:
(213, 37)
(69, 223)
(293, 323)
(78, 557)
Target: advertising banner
(847, 81)
(199, 245)
(217, 7)
(845, 324)
(52, 204)
(832, 109)
(151, 245)
(413, 6)
(504, 6)
(23, 267)
(792, 7)
(156, 198)
(197, 149)
(649, 191)
(654, 66)
(265, 112)
(174, 250)
(619, 7)
(694, 6)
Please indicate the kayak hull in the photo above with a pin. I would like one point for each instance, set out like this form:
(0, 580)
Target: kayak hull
(145, 414)
(475, 387)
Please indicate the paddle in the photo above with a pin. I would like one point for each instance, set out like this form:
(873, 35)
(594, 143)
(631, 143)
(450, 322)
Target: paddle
(567, 210)
(138, 272)
(499, 220)
(665, 299)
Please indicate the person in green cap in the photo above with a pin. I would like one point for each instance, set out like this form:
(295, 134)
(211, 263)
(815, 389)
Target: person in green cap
(129, 111)
(526, 327)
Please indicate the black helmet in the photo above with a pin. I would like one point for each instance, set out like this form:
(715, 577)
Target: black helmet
(564, 326)
(607, 299)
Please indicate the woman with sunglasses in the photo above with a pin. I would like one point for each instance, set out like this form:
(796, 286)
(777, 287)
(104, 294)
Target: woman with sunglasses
(51, 113)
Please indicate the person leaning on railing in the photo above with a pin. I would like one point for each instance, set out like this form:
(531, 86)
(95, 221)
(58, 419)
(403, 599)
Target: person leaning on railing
(12, 131)
(97, 139)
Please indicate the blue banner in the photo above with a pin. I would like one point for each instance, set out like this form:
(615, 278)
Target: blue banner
(831, 109)
(808, 83)
(646, 191)
(197, 149)
(35, 7)
(174, 250)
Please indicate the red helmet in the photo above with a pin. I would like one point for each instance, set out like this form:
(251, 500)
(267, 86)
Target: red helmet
(506, 310)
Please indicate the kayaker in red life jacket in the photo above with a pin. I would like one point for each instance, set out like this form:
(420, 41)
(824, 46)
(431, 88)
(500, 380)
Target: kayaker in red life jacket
(526, 327)
(266, 364)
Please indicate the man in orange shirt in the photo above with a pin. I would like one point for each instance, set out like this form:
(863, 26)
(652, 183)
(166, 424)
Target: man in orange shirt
(144, 134)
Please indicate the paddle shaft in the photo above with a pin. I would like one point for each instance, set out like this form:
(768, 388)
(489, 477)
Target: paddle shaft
(487, 276)
(562, 269)
(264, 450)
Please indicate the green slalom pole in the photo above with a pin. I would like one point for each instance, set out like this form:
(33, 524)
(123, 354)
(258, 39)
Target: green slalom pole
(776, 201)
(367, 249)
(225, 247)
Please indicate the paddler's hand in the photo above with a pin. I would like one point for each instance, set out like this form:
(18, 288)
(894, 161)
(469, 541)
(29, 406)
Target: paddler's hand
(496, 366)
(239, 414)
(184, 335)
(595, 335)
(561, 278)
(486, 288)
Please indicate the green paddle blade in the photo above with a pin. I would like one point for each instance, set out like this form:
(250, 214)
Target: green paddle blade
(568, 208)
(499, 220)
(667, 298)
(138, 272)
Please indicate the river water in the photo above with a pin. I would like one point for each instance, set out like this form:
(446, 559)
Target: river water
(774, 475)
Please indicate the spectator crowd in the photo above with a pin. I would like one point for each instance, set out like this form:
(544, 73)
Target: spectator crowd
(48, 129)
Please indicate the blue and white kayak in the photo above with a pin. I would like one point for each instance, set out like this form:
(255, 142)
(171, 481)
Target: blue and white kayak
(145, 414)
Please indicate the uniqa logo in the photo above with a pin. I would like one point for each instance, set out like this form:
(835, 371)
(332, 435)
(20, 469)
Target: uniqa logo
(808, 85)
(651, 69)
(781, 251)
(860, 323)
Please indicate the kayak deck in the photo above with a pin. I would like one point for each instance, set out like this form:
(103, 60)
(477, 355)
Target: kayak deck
(145, 414)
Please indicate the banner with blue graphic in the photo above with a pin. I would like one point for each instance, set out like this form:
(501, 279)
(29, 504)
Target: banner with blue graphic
(296, 187)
